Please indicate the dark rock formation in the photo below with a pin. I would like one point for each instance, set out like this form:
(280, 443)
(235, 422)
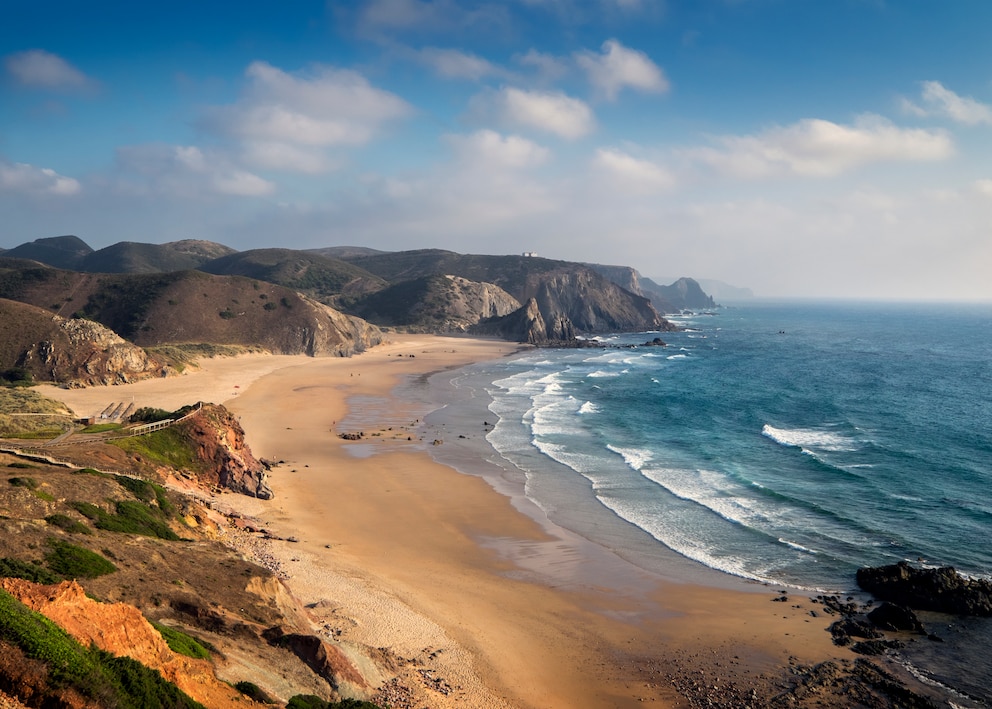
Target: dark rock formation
(891, 616)
(847, 628)
(943, 590)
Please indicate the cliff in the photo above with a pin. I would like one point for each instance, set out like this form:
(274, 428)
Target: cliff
(443, 303)
(70, 351)
(223, 457)
(122, 630)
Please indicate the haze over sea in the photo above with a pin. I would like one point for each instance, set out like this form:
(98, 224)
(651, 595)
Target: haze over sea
(777, 442)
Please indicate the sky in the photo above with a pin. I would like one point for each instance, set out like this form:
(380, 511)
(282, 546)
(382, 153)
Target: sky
(802, 148)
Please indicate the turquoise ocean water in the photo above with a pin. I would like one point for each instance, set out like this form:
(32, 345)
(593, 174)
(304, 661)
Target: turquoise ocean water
(784, 443)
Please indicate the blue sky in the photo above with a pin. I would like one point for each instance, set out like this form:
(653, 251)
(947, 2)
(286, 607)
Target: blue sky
(836, 148)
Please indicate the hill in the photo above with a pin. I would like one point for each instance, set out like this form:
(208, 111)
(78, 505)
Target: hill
(58, 251)
(45, 347)
(563, 291)
(176, 593)
(345, 252)
(192, 307)
(319, 276)
(132, 257)
(435, 304)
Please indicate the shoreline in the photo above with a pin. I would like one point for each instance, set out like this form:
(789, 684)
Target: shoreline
(399, 551)
(455, 565)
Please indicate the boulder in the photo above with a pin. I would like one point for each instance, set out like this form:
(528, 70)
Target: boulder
(891, 616)
(943, 590)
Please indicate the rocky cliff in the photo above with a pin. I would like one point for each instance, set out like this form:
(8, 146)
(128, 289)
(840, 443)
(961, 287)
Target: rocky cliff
(122, 630)
(70, 351)
(225, 460)
(441, 303)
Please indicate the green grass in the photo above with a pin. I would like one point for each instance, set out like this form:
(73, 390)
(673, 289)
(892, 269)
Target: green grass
(181, 643)
(107, 680)
(71, 561)
(310, 701)
(67, 523)
(11, 568)
(130, 517)
(102, 427)
(167, 446)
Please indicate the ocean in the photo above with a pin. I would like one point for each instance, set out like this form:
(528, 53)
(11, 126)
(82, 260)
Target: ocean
(779, 442)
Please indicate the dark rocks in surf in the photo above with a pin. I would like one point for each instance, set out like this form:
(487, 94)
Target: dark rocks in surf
(892, 616)
(943, 590)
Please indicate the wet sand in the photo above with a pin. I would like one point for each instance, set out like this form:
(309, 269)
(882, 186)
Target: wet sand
(398, 551)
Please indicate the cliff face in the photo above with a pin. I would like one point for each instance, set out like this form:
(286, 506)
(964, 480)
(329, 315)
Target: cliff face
(226, 460)
(70, 351)
(121, 629)
(592, 303)
(683, 294)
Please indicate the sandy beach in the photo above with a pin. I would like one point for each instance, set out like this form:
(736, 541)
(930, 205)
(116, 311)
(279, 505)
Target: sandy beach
(397, 551)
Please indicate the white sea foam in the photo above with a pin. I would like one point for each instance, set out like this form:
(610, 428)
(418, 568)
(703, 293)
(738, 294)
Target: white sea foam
(678, 356)
(796, 546)
(635, 458)
(588, 408)
(602, 374)
(808, 438)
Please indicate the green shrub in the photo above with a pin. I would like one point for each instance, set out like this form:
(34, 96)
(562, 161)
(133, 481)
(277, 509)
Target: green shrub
(88, 509)
(16, 569)
(149, 414)
(310, 701)
(68, 524)
(136, 518)
(20, 465)
(181, 643)
(109, 681)
(254, 692)
(29, 483)
(71, 561)
(90, 471)
(226, 314)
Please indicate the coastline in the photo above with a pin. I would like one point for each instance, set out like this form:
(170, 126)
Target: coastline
(487, 606)
(397, 550)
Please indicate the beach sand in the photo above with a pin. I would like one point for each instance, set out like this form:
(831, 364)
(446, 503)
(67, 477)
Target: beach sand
(397, 551)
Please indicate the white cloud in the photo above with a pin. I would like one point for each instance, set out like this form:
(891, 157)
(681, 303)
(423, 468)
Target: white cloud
(939, 101)
(547, 66)
(548, 111)
(819, 148)
(436, 17)
(27, 179)
(983, 187)
(187, 171)
(455, 64)
(490, 149)
(619, 67)
(329, 107)
(270, 155)
(36, 67)
(633, 175)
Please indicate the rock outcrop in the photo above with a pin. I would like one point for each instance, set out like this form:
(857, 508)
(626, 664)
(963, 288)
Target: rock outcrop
(226, 461)
(122, 630)
(75, 352)
(943, 590)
